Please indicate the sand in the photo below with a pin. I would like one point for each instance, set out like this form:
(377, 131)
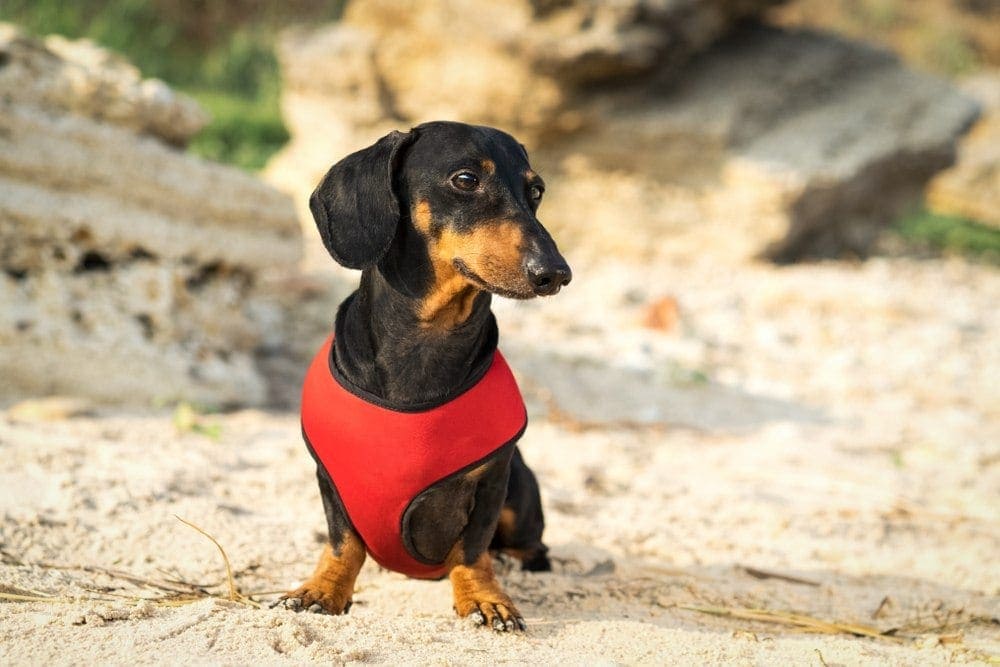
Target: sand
(834, 425)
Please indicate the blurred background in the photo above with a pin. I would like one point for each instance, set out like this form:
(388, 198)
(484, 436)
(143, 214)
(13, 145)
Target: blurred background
(223, 52)
(751, 130)
(779, 352)
(220, 53)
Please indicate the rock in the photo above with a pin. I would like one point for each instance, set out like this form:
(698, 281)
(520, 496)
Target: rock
(589, 42)
(773, 143)
(517, 65)
(972, 187)
(567, 44)
(769, 143)
(514, 64)
(330, 109)
(662, 314)
(80, 77)
(50, 408)
(129, 269)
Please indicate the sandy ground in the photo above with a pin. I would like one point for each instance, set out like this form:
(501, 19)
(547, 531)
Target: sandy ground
(838, 425)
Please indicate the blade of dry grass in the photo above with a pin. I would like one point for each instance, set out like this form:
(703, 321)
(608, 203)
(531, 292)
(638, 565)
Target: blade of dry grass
(178, 592)
(234, 593)
(767, 574)
(33, 598)
(800, 621)
(171, 587)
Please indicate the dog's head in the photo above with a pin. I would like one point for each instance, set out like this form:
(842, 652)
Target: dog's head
(465, 195)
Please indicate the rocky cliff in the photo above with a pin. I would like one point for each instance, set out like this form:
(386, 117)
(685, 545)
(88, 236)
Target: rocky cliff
(129, 268)
(662, 128)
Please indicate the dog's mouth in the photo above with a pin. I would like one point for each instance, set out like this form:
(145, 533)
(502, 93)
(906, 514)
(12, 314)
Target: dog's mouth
(479, 282)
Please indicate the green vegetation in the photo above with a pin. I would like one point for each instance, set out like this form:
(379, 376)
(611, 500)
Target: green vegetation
(221, 52)
(244, 131)
(879, 14)
(188, 419)
(951, 234)
(949, 51)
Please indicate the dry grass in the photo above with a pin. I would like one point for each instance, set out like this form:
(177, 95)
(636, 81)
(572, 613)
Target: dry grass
(234, 594)
(948, 631)
(172, 593)
(799, 621)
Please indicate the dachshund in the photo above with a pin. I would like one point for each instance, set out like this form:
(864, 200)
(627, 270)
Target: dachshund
(408, 409)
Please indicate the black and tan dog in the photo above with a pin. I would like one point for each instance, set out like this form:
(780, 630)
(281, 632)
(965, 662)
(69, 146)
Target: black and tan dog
(439, 219)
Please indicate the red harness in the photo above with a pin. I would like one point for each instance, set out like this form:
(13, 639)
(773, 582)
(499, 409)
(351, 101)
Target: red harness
(380, 459)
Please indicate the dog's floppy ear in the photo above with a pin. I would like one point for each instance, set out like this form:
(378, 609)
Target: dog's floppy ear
(354, 205)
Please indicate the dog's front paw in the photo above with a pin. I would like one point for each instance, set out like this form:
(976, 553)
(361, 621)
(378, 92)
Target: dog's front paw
(501, 615)
(316, 599)
(478, 596)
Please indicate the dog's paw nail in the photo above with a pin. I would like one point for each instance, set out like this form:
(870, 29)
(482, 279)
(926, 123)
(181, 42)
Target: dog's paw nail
(478, 618)
(498, 624)
(509, 625)
(315, 608)
(347, 607)
(293, 603)
(521, 625)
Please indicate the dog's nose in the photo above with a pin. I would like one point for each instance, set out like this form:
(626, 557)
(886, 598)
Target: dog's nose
(547, 279)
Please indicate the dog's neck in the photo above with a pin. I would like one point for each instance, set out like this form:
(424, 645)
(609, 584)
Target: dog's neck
(385, 345)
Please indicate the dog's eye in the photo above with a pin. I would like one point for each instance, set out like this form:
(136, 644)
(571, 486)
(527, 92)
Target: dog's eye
(465, 180)
(536, 192)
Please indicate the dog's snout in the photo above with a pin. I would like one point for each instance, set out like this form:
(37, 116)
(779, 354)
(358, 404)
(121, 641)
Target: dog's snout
(548, 277)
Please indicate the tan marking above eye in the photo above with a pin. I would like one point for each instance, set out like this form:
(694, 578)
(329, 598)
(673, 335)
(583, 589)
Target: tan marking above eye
(489, 166)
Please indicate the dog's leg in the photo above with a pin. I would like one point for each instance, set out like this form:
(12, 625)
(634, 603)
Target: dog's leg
(519, 530)
(331, 587)
(478, 595)
(475, 587)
